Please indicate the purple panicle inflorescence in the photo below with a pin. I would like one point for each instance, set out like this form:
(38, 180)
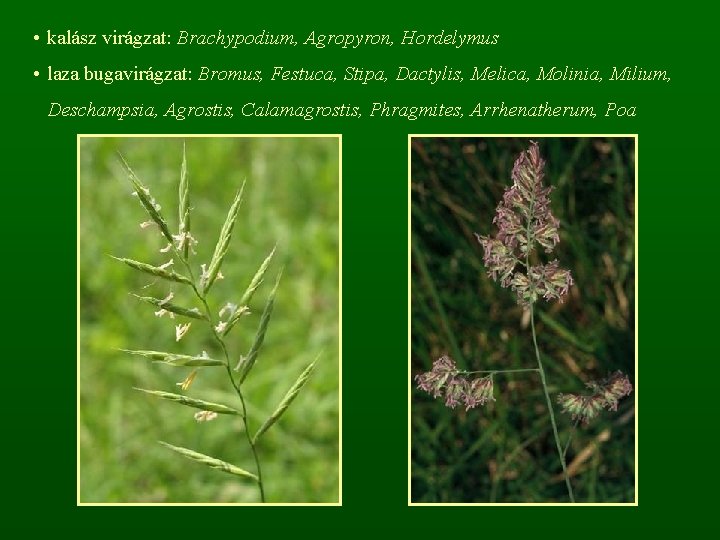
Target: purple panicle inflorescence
(524, 220)
(455, 391)
(444, 378)
(434, 380)
(606, 395)
(498, 259)
(479, 392)
(612, 389)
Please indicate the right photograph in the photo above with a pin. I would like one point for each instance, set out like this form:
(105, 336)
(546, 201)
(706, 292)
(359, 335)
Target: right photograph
(523, 315)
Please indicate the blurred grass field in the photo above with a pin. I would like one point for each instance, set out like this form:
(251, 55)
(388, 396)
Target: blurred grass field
(292, 199)
(505, 452)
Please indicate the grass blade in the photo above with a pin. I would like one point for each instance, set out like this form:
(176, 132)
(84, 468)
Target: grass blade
(285, 403)
(247, 362)
(170, 275)
(248, 294)
(177, 359)
(184, 205)
(223, 242)
(210, 461)
(191, 402)
(147, 201)
(193, 313)
(438, 308)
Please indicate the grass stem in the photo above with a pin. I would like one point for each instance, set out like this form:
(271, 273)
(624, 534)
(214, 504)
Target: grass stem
(550, 407)
(202, 297)
(530, 241)
(493, 371)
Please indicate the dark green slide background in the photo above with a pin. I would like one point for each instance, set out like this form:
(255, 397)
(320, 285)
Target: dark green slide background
(678, 189)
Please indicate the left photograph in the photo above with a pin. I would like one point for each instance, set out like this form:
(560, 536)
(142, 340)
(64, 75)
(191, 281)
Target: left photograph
(209, 361)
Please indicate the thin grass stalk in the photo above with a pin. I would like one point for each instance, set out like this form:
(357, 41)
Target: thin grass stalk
(561, 455)
(528, 232)
(202, 297)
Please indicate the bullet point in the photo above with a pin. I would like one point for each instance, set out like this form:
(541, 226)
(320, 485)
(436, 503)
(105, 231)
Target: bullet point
(36, 37)
(36, 73)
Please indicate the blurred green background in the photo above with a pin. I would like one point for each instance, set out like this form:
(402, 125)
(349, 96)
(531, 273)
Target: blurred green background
(292, 199)
(505, 452)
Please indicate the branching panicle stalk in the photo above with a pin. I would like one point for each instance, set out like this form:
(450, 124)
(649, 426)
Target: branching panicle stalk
(202, 296)
(238, 391)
